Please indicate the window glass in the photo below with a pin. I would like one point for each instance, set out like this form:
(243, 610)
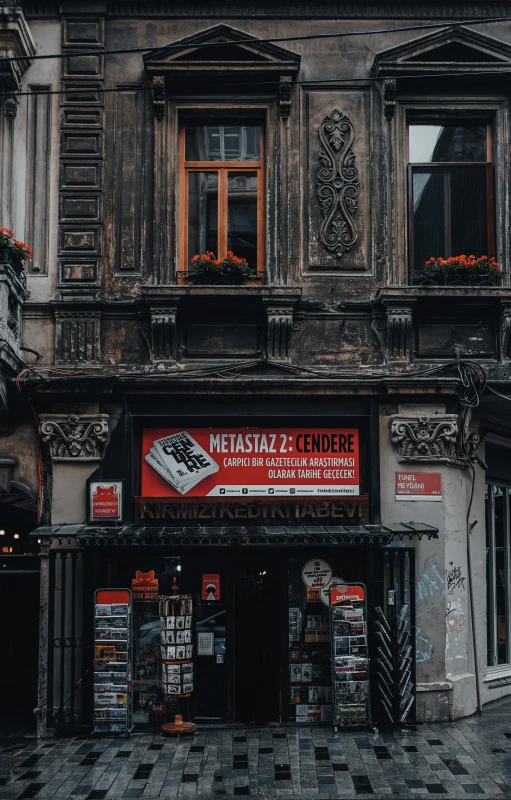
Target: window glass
(242, 216)
(499, 499)
(449, 212)
(489, 580)
(443, 143)
(202, 213)
(223, 143)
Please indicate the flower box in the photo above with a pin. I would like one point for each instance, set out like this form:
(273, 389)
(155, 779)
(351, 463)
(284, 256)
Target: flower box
(459, 271)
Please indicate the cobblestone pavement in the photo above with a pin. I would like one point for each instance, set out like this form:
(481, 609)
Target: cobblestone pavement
(466, 759)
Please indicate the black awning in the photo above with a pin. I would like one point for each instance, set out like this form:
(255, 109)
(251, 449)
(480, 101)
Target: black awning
(144, 535)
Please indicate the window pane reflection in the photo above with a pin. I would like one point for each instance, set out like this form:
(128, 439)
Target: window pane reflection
(441, 143)
(202, 213)
(223, 143)
(242, 216)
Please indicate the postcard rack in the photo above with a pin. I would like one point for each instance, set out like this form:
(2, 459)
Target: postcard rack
(176, 645)
(113, 661)
(350, 662)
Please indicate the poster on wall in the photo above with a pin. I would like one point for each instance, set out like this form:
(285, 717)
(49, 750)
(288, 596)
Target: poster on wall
(144, 587)
(250, 462)
(211, 587)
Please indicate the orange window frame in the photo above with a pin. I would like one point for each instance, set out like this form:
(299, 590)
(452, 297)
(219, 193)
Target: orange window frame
(222, 168)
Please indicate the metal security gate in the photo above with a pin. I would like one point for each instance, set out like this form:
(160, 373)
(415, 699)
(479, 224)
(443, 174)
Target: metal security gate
(393, 579)
(70, 641)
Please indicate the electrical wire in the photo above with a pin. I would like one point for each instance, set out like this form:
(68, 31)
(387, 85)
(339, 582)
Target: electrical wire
(255, 41)
(215, 86)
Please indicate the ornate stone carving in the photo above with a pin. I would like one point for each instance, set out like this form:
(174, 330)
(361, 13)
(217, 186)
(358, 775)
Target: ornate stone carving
(159, 96)
(425, 438)
(77, 336)
(337, 184)
(11, 107)
(285, 85)
(389, 97)
(72, 438)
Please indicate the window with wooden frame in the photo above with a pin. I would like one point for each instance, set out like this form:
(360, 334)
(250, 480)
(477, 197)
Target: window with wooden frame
(221, 192)
(450, 190)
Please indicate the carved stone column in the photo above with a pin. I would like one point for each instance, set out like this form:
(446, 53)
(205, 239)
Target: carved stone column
(164, 333)
(74, 445)
(279, 313)
(399, 344)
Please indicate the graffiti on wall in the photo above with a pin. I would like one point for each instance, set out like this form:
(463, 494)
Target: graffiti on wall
(455, 649)
(429, 592)
(455, 579)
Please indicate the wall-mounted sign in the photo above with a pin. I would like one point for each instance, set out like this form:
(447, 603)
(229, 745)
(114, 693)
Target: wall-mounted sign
(144, 587)
(317, 574)
(253, 462)
(211, 587)
(354, 511)
(418, 486)
(105, 501)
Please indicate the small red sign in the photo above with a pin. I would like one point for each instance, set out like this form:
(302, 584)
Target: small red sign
(313, 595)
(211, 587)
(418, 486)
(144, 587)
(105, 502)
(346, 594)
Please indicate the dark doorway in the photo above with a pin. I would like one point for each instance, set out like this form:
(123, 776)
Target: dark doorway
(257, 638)
(19, 634)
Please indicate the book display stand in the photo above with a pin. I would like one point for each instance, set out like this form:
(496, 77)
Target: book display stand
(176, 655)
(113, 661)
(350, 662)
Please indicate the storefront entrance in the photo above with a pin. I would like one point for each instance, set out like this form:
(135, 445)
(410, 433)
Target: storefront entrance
(260, 632)
(257, 636)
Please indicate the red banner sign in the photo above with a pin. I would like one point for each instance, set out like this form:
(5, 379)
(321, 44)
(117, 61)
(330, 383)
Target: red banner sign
(418, 486)
(253, 462)
(344, 595)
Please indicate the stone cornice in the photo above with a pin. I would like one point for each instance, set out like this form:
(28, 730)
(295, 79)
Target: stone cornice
(375, 9)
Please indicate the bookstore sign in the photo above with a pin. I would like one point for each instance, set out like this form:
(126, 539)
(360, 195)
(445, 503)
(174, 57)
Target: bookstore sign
(241, 463)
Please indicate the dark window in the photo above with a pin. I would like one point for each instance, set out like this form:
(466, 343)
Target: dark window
(498, 553)
(450, 183)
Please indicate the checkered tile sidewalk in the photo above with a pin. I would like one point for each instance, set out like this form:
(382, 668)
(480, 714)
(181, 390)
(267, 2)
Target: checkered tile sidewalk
(466, 759)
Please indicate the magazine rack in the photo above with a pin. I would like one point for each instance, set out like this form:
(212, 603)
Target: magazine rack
(350, 661)
(176, 615)
(113, 661)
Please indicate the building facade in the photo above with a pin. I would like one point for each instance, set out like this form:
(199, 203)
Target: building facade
(353, 402)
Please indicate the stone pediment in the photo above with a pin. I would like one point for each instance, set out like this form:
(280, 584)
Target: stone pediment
(218, 49)
(458, 48)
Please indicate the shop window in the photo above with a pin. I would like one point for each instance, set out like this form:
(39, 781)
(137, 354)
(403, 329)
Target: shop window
(221, 191)
(450, 190)
(498, 573)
